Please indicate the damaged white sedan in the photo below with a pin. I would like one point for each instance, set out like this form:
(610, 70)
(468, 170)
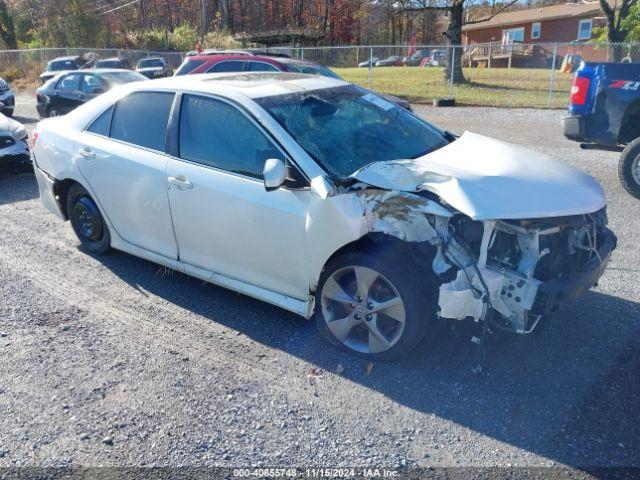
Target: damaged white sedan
(321, 197)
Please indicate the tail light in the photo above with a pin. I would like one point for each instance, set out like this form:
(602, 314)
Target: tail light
(579, 89)
(35, 139)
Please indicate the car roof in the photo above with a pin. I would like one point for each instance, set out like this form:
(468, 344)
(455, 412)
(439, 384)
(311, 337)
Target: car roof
(111, 59)
(250, 84)
(150, 58)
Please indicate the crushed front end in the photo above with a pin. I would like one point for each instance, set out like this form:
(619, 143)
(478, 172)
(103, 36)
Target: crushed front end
(523, 269)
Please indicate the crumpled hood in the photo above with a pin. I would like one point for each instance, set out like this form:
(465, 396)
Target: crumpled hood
(487, 179)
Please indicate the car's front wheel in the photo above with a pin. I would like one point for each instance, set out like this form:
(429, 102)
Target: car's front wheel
(87, 221)
(374, 305)
(629, 168)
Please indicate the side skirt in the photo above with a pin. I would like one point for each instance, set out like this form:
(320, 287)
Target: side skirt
(303, 308)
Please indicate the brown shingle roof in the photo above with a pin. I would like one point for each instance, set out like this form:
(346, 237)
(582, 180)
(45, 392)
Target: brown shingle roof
(538, 14)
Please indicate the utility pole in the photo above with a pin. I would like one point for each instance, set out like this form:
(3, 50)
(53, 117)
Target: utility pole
(203, 16)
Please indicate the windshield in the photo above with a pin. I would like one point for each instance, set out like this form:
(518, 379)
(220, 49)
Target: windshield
(312, 70)
(347, 128)
(152, 62)
(62, 65)
(117, 78)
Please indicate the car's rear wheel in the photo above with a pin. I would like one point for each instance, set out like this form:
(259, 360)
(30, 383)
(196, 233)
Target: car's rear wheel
(87, 221)
(374, 305)
(8, 112)
(629, 168)
(53, 112)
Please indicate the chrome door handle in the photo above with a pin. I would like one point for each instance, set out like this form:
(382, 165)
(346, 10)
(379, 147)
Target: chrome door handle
(181, 182)
(87, 153)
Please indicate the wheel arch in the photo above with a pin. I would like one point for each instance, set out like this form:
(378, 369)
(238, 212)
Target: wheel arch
(422, 253)
(61, 190)
(630, 124)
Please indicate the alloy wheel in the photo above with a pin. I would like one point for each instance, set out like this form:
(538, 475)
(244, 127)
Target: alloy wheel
(363, 309)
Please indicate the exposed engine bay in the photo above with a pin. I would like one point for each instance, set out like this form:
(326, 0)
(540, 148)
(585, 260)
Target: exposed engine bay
(523, 269)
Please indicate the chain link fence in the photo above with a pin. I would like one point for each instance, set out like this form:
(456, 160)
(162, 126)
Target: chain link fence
(494, 74)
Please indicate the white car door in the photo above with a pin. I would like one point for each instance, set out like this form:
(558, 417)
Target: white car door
(224, 219)
(122, 157)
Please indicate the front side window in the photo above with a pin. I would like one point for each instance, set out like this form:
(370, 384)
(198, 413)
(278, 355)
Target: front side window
(231, 66)
(347, 128)
(69, 83)
(217, 134)
(141, 119)
(535, 30)
(584, 29)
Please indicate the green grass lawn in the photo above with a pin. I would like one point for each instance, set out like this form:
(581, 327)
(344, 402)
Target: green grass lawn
(498, 87)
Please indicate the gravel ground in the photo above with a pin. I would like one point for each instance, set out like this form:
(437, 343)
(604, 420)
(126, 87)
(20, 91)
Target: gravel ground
(115, 361)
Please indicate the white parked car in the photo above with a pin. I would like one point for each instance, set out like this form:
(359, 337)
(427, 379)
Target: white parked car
(320, 197)
(7, 98)
(14, 149)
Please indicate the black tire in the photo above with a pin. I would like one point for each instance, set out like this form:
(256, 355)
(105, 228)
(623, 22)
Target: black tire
(8, 112)
(628, 168)
(87, 221)
(417, 288)
(53, 112)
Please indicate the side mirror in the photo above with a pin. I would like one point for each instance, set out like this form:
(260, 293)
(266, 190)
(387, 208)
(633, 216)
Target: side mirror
(275, 173)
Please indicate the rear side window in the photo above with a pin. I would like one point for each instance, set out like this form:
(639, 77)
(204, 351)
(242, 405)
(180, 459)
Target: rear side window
(216, 134)
(102, 124)
(261, 67)
(141, 118)
(189, 66)
(234, 66)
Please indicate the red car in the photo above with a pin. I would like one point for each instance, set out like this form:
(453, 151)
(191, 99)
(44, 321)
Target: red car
(214, 61)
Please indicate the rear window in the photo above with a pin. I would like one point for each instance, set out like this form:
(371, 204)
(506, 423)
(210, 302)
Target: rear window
(141, 118)
(188, 66)
(109, 64)
(150, 63)
(310, 69)
(62, 65)
(119, 78)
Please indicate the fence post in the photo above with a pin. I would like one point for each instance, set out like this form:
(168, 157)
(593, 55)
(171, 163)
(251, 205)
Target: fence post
(453, 64)
(370, 68)
(553, 75)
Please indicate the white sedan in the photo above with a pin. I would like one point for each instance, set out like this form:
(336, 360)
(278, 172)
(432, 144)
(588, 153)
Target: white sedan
(322, 198)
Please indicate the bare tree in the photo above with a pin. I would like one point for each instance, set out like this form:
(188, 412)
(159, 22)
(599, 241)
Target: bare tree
(455, 11)
(616, 33)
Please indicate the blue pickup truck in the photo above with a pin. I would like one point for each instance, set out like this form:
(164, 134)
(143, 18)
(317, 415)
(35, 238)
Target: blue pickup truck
(604, 113)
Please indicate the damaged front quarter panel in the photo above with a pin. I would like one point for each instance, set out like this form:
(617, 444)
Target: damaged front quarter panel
(495, 270)
(339, 217)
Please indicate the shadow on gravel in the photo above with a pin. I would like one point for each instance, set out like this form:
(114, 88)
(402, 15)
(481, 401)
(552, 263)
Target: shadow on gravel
(571, 395)
(17, 184)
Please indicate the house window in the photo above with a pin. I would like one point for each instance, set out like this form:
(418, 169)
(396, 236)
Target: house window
(584, 29)
(535, 30)
(515, 34)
